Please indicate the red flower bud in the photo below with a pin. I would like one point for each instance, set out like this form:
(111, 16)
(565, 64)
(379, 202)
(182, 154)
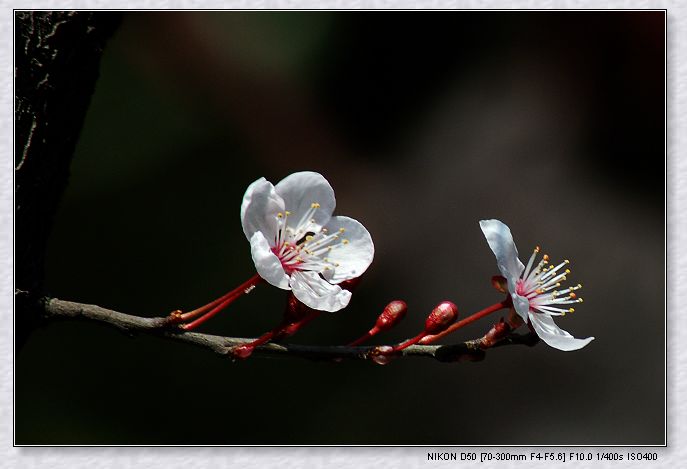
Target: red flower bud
(242, 351)
(393, 313)
(441, 317)
(499, 283)
(382, 355)
(350, 284)
(497, 333)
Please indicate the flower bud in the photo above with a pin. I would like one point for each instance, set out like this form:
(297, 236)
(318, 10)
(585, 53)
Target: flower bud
(393, 313)
(497, 333)
(441, 317)
(350, 284)
(242, 351)
(499, 283)
(382, 355)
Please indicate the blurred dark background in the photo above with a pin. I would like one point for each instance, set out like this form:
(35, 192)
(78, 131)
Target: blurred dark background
(424, 123)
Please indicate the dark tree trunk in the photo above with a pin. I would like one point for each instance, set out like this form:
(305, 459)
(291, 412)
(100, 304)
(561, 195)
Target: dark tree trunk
(57, 55)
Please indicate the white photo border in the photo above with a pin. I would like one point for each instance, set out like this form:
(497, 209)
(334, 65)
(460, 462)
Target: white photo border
(674, 455)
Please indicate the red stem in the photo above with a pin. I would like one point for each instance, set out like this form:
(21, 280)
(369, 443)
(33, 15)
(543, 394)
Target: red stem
(266, 337)
(410, 342)
(218, 305)
(284, 329)
(464, 322)
(368, 335)
(289, 329)
(236, 292)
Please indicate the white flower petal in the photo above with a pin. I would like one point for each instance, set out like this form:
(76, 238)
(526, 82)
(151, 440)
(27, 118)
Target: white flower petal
(521, 305)
(316, 293)
(299, 191)
(501, 243)
(354, 255)
(267, 263)
(259, 210)
(553, 335)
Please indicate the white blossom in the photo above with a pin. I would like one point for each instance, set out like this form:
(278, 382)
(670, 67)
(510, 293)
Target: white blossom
(298, 245)
(534, 289)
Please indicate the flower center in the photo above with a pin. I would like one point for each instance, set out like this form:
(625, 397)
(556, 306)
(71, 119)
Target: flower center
(540, 286)
(303, 245)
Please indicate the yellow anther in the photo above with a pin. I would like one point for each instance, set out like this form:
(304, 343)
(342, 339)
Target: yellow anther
(567, 271)
(341, 230)
(314, 205)
(567, 261)
(279, 215)
(309, 238)
(288, 213)
(345, 241)
(572, 310)
(580, 300)
(299, 259)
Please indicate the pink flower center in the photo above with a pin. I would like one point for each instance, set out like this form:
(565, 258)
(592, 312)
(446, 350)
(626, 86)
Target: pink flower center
(522, 289)
(286, 257)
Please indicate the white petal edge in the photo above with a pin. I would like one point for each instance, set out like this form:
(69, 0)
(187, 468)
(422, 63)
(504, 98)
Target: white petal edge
(501, 242)
(300, 190)
(259, 209)
(315, 292)
(521, 305)
(549, 332)
(267, 263)
(353, 257)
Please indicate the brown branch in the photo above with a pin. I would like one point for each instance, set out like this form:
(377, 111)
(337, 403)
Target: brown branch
(466, 351)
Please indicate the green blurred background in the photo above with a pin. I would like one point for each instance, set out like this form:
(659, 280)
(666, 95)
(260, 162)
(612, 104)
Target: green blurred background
(424, 123)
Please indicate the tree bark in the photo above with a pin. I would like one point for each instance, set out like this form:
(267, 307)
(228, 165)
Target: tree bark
(57, 56)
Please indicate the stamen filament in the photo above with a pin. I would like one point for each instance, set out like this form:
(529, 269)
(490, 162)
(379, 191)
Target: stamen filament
(530, 262)
(554, 280)
(550, 272)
